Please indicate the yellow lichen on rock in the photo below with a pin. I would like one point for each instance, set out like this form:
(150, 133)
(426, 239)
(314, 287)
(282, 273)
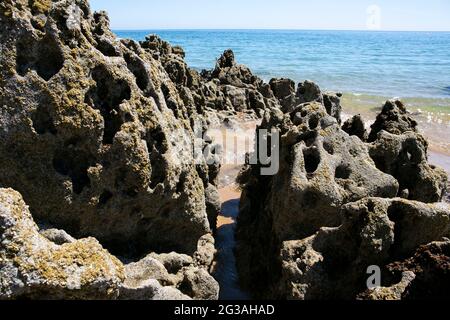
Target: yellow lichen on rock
(81, 269)
(41, 6)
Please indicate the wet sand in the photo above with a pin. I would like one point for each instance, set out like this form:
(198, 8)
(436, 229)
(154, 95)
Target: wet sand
(440, 159)
(226, 272)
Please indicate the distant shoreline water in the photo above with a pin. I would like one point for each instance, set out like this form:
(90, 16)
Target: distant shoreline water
(368, 67)
(395, 64)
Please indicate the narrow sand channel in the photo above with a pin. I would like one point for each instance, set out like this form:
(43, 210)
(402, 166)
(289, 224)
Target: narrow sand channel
(226, 272)
(236, 141)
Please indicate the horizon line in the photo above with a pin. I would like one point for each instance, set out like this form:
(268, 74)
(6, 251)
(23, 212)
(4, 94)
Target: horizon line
(270, 29)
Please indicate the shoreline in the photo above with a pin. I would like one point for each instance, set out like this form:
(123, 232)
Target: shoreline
(439, 159)
(433, 118)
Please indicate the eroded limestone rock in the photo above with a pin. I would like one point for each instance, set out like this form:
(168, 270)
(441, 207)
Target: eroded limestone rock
(182, 275)
(332, 264)
(394, 119)
(405, 157)
(321, 169)
(91, 131)
(32, 266)
(355, 126)
(290, 244)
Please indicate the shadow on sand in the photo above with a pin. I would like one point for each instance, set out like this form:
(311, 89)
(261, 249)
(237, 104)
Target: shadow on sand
(226, 272)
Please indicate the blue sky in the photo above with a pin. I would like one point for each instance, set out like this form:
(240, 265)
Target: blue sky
(423, 15)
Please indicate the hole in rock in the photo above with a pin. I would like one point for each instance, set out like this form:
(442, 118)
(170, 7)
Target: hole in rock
(107, 48)
(410, 156)
(158, 169)
(396, 214)
(343, 172)
(131, 192)
(98, 16)
(107, 96)
(42, 120)
(181, 183)
(310, 138)
(313, 122)
(157, 146)
(312, 159)
(303, 113)
(371, 206)
(104, 198)
(44, 56)
(137, 67)
(328, 147)
(74, 164)
(170, 102)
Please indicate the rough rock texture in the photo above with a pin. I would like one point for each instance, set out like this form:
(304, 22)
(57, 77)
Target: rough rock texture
(213, 205)
(355, 126)
(393, 118)
(394, 292)
(431, 266)
(374, 231)
(91, 132)
(32, 266)
(181, 276)
(289, 242)
(96, 134)
(218, 93)
(405, 157)
(50, 264)
(307, 91)
(321, 169)
(399, 150)
(424, 276)
(332, 102)
(57, 236)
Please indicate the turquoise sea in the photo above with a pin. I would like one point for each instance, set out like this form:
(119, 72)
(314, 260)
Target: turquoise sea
(406, 64)
(369, 67)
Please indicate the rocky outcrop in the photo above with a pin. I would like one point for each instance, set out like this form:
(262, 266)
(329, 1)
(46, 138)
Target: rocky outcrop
(321, 169)
(95, 133)
(216, 94)
(424, 276)
(300, 231)
(399, 150)
(91, 129)
(394, 119)
(332, 102)
(307, 91)
(405, 157)
(179, 276)
(355, 126)
(374, 231)
(53, 265)
(33, 267)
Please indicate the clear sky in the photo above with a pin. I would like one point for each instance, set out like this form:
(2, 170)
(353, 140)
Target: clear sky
(417, 15)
